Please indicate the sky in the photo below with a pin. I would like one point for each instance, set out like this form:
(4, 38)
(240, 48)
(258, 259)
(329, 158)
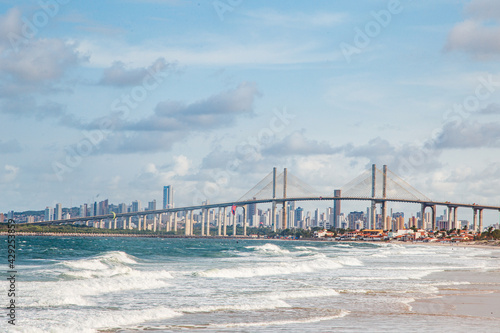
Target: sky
(115, 99)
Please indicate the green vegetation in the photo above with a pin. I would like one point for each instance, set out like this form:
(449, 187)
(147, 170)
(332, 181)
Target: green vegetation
(79, 229)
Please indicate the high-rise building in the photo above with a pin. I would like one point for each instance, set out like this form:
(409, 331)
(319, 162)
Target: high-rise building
(136, 206)
(299, 214)
(122, 208)
(354, 217)
(252, 211)
(168, 197)
(291, 214)
(58, 212)
(152, 205)
(336, 208)
(49, 214)
(103, 207)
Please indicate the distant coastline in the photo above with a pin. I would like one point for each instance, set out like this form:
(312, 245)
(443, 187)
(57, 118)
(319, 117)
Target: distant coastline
(479, 244)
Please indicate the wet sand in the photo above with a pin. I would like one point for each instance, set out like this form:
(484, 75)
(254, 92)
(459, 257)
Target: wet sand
(474, 294)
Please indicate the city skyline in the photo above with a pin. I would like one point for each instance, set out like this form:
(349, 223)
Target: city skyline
(117, 99)
(260, 214)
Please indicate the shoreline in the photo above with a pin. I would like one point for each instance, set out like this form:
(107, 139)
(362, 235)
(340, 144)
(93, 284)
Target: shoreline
(475, 244)
(469, 295)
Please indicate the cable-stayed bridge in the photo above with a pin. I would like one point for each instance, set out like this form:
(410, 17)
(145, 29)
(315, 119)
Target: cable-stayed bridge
(379, 186)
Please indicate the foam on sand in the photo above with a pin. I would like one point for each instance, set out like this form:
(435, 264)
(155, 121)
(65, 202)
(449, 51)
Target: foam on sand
(340, 314)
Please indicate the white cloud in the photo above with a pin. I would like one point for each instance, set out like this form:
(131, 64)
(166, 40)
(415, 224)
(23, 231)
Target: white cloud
(478, 35)
(10, 173)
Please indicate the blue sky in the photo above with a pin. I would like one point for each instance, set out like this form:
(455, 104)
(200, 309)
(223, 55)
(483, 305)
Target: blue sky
(118, 98)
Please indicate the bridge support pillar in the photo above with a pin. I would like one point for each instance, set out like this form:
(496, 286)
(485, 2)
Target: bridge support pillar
(455, 219)
(168, 226)
(474, 220)
(234, 223)
(208, 221)
(224, 220)
(245, 220)
(219, 222)
(480, 221)
(175, 222)
(202, 217)
(450, 224)
(155, 222)
(285, 218)
(384, 195)
(422, 216)
(191, 223)
(273, 210)
(385, 225)
(434, 227)
(373, 212)
(373, 215)
(273, 217)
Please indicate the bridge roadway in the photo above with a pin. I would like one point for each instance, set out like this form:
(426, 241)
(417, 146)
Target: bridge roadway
(277, 200)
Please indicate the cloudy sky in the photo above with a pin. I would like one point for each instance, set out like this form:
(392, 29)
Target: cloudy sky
(114, 99)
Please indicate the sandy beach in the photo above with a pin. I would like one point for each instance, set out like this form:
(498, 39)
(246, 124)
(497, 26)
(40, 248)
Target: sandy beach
(473, 294)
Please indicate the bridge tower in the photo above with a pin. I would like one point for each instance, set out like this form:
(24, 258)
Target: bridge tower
(373, 212)
(285, 224)
(273, 211)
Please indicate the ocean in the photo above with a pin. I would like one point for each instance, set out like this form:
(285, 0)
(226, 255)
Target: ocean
(107, 284)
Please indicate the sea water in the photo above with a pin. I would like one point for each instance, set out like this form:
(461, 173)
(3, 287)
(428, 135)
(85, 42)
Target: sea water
(93, 284)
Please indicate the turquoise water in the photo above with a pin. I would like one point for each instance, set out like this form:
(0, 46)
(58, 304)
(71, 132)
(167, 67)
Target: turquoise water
(224, 285)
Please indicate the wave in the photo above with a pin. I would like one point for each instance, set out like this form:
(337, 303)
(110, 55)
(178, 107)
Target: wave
(82, 279)
(349, 261)
(98, 320)
(276, 269)
(104, 265)
(269, 248)
(81, 292)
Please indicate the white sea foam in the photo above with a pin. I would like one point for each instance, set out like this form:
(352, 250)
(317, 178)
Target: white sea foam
(294, 294)
(79, 321)
(103, 274)
(341, 314)
(80, 292)
(277, 269)
(407, 302)
(342, 245)
(269, 248)
(349, 261)
(409, 276)
(450, 283)
(249, 306)
(107, 264)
